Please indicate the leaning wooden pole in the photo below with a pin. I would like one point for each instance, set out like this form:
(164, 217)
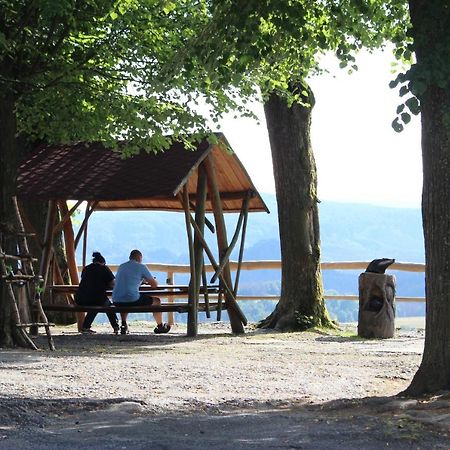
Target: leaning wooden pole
(226, 257)
(241, 249)
(69, 243)
(221, 232)
(223, 282)
(200, 208)
(85, 234)
(48, 242)
(84, 223)
(192, 325)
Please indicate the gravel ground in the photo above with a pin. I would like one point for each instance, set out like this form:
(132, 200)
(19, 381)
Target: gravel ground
(260, 390)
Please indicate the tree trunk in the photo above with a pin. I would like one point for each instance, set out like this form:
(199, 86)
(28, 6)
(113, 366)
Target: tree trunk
(301, 303)
(430, 31)
(9, 336)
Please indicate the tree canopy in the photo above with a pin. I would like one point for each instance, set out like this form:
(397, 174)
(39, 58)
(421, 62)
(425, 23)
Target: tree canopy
(97, 70)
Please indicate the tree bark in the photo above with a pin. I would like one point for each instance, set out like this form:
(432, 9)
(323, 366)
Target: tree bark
(431, 23)
(9, 336)
(301, 303)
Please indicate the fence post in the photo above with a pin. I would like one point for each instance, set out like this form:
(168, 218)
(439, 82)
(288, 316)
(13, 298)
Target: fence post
(170, 314)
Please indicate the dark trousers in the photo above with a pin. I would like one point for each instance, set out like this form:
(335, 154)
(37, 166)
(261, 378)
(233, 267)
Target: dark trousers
(90, 316)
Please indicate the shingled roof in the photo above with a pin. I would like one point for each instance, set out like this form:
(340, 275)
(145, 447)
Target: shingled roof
(89, 171)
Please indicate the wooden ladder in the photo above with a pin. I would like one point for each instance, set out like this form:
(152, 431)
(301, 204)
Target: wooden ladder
(24, 277)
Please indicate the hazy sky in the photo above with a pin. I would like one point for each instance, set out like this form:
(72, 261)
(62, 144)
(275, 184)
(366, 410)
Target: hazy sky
(359, 157)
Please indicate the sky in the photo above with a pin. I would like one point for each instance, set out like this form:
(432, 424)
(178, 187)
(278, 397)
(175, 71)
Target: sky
(359, 157)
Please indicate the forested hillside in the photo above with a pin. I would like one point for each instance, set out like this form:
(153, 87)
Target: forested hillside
(348, 232)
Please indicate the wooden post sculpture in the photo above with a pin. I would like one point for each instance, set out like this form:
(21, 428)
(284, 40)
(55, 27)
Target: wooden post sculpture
(376, 305)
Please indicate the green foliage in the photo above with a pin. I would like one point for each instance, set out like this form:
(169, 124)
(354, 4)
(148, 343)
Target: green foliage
(99, 70)
(305, 322)
(430, 42)
(139, 69)
(276, 45)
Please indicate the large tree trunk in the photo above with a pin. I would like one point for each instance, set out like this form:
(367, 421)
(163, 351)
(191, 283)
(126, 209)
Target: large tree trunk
(301, 303)
(431, 41)
(9, 336)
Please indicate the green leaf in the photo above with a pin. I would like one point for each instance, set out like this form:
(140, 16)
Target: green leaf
(405, 117)
(400, 108)
(403, 91)
(397, 126)
(393, 84)
(413, 105)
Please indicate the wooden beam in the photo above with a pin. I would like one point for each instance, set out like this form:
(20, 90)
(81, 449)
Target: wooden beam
(48, 242)
(69, 243)
(198, 248)
(213, 262)
(226, 256)
(192, 323)
(205, 292)
(237, 318)
(84, 223)
(207, 221)
(241, 250)
(237, 195)
(65, 215)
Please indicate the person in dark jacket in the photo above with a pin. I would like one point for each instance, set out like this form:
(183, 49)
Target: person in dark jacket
(96, 279)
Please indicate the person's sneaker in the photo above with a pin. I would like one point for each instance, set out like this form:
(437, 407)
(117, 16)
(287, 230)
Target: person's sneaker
(87, 331)
(162, 328)
(124, 329)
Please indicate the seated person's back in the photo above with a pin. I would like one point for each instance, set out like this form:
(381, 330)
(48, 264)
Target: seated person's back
(128, 279)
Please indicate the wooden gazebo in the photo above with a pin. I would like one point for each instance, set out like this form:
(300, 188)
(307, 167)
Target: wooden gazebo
(209, 178)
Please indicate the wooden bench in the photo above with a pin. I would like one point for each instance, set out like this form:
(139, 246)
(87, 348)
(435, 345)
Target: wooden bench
(163, 307)
(161, 291)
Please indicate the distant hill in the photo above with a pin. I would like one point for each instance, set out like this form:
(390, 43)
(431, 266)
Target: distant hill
(348, 232)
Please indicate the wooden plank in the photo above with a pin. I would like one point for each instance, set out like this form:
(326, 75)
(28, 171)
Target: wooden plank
(163, 307)
(17, 257)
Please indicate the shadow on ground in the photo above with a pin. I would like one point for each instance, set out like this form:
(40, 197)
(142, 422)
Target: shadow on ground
(372, 423)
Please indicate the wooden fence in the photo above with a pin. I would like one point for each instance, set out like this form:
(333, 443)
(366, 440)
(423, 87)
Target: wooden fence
(172, 269)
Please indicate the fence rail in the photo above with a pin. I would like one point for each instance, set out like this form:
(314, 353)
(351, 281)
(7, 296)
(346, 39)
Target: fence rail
(172, 269)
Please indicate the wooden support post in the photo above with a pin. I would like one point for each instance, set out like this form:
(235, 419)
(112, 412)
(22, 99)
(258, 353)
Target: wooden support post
(226, 257)
(192, 326)
(213, 262)
(219, 305)
(65, 214)
(200, 221)
(69, 243)
(85, 234)
(48, 242)
(241, 249)
(221, 232)
(205, 287)
(84, 223)
(207, 222)
(170, 315)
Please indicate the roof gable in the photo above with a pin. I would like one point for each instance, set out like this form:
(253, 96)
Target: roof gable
(91, 172)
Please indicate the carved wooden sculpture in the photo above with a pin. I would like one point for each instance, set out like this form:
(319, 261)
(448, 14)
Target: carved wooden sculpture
(376, 305)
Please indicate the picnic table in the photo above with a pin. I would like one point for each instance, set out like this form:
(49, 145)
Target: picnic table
(167, 290)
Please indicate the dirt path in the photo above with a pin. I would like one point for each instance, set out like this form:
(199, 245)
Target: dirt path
(261, 390)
